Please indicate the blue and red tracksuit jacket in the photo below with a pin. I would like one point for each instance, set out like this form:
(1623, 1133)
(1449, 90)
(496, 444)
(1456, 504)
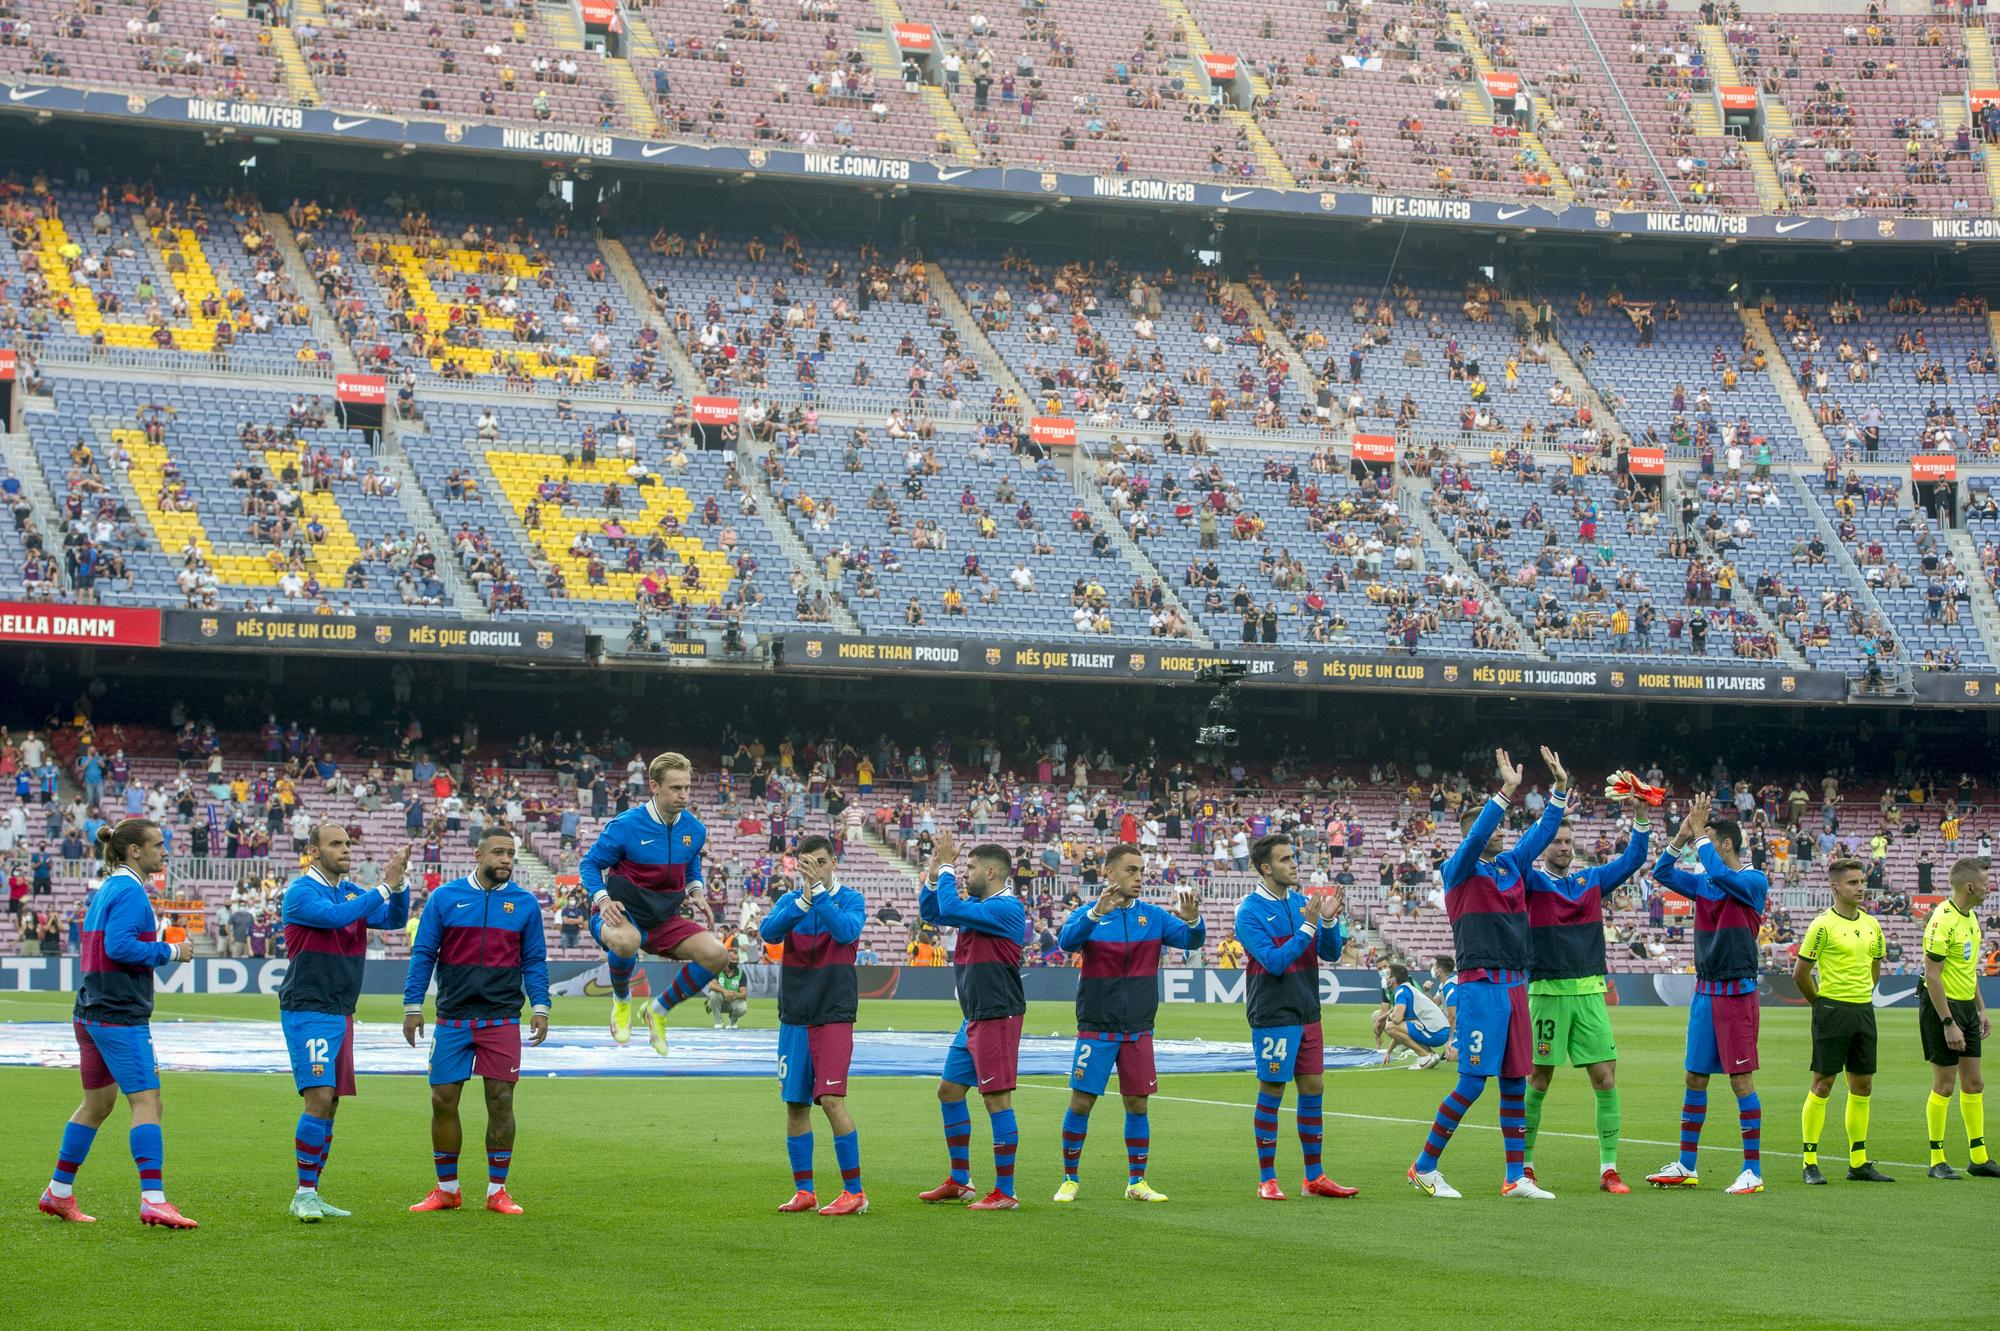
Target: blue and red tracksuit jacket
(655, 855)
(992, 932)
(1281, 984)
(1487, 900)
(326, 939)
(1728, 912)
(121, 949)
(1566, 914)
(817, 984)
(486, 947)
(1119, 991)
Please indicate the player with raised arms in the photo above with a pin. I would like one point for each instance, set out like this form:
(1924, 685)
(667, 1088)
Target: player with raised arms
(818, 998)
(1117, 997)
(482, 936)
(643, 867)
(1486, 898)
(992, 925)
(1567, 976)
(112, 1019)
(1722, 1021)
(327, 919)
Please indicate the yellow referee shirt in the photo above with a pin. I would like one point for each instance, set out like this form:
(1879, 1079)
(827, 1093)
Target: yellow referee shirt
(1952, 936)
(1845, 951)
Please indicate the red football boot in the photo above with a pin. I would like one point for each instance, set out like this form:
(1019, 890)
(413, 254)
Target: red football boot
(848, 1203)
(995, 1200)
(440, 1200)
(63, 1208)
(948, 1191)
(1610, 1182)
(801, 1201)
(1326, 1187)
(165, 1215)
(1270, 1191)
(504, 1204)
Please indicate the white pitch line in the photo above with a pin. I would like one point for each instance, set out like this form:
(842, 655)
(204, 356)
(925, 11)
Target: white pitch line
(1490, 1127)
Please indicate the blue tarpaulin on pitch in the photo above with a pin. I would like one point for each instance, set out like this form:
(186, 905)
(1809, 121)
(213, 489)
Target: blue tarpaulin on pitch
(572, 1051)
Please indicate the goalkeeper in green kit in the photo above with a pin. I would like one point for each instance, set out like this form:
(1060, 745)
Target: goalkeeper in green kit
(1566, 984)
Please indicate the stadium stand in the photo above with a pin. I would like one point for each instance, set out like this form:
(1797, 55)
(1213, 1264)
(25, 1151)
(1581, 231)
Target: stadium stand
(175, 496)
(164, 269)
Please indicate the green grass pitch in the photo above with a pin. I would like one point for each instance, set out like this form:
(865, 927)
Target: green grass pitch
(650, 1204)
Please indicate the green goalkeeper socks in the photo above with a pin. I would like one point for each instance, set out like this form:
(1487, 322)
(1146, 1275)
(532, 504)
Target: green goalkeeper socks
(1534, 1110)
(1608, 1118)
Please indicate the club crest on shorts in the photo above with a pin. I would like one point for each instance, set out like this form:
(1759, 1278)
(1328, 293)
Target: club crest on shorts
(319, 1069)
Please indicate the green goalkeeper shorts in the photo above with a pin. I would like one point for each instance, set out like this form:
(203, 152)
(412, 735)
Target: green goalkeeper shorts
(1571, 1028)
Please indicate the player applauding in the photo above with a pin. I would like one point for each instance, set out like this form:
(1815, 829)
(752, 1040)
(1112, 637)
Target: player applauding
(1722, 1023)
(1117, 998)
(818, 999)
(1286, 934)
(482, 934)
(992, 925)
(114, 1009)
(327, 919)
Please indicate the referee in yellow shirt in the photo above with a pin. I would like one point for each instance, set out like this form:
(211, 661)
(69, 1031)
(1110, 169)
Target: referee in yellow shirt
(1845, 945)
(1952, 1018)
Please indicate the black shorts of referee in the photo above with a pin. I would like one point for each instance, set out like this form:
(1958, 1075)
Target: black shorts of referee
(1965, 1012)
(1843, 1038)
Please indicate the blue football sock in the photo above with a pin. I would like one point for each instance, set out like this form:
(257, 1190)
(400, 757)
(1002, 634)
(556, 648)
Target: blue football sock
(1694, 1109)
(1311, 1134)
(1750, 1115)
(958, 1139)
(309, 1141)
(621, 974)
(75, 1148)
(1074, 1128)
(1514, 1125)
(1460, 1099)
(149, 1153)
(1138, 1146)
(800, 1149)
(692, 980)
(847, 1153)
(1264, 1129)
(1006, 1137)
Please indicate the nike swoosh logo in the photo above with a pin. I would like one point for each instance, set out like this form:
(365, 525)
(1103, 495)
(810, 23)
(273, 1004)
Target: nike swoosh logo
(1786, 227)
(1232, 195)
(1509, 214)
(648, 840)
(944, 175)
(341, 123)
(984, 1080)
(1741, 1061)
(23, 94)
(657, 149)
(460, 905)
(1887, 999)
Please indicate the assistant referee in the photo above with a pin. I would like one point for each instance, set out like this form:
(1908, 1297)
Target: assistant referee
(1952, 1018)
(1844, 944)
